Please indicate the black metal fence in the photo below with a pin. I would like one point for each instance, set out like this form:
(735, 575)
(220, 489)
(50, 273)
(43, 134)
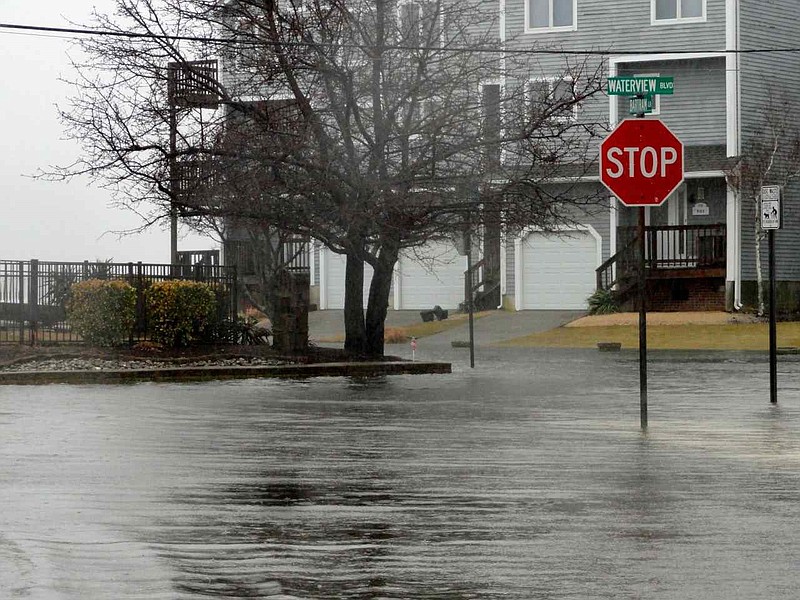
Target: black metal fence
(34, 294)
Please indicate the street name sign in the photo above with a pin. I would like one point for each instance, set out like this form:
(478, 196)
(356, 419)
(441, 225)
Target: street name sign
(641, 162)
(641, 106)
(771, 207)
(640, 86)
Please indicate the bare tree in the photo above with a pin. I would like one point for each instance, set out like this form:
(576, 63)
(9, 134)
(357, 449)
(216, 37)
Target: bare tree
(770, 157)
(409, 118)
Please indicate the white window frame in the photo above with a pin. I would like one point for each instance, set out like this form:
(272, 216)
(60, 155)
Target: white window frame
(679, 20)
(550, 28)
(550, 81)
(402, 4)
(420, 4)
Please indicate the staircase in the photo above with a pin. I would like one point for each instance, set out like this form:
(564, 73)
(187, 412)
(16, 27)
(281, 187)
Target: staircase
(676, 256)
(618, 273)
(485, 293)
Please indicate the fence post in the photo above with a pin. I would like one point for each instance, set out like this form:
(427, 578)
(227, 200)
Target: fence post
(33, 299)
(132, 283)
(141, 321)
(234, 275)
(21, 302)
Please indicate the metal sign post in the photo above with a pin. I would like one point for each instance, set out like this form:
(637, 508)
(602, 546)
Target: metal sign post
(771, 221)
(469, 298)
(641, 162)
(642, 324)
(463, 245)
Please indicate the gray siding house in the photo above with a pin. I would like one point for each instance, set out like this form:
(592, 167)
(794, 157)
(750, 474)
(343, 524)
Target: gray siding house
(700, 242)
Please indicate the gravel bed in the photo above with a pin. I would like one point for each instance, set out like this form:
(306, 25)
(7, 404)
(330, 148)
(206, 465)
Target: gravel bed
(102, 364)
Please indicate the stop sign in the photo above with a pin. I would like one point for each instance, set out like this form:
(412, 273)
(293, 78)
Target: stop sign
(641, 162)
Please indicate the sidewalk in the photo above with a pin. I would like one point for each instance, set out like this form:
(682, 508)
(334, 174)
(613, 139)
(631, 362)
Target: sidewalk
(495, 327)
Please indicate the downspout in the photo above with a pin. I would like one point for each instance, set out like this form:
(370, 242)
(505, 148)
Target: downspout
(737, 283)
(734, 126)
(502, 26)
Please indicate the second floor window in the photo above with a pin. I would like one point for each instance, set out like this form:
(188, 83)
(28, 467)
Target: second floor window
(543, 15)
(554, 98)
(674, 10)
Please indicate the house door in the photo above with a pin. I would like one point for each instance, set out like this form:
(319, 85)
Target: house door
(672, 247)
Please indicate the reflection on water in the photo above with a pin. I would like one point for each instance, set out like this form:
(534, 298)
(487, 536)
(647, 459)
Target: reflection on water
(526, 478)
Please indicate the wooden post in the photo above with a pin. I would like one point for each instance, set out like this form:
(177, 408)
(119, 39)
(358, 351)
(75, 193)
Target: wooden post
(173, 182)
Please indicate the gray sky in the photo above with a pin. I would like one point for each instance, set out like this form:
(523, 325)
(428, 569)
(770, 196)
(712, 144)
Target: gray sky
(53, 220)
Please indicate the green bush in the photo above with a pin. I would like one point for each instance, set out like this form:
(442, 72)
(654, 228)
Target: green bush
(102, 312)
(603, 302)
(179, 311)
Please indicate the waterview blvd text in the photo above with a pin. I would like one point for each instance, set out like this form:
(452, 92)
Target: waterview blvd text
(644, 86)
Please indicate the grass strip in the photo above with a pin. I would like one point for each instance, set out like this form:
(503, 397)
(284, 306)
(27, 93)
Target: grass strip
(741, 336)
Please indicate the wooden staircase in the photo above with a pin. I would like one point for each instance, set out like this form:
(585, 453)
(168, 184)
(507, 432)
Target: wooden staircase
(618, 273)
(485, 292)
(672, 252)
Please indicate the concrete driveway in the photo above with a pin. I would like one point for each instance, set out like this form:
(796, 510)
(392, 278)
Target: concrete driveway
(495, 327)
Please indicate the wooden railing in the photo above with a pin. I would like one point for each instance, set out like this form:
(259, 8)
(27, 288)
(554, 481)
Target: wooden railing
(485, 293)
(618, 267)
(666, 247)
(685, 246)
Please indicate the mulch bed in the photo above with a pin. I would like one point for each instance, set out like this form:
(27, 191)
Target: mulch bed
(11, 354)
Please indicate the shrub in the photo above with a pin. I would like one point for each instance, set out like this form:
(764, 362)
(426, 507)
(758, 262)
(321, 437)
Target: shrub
(603, 302)
(395, 335)
(102, 312)
(179, 311)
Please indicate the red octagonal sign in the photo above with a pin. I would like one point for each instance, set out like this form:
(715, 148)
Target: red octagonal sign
(641, 162)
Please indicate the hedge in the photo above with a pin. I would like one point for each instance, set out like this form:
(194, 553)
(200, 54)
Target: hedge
(179, 311)
(102, 312)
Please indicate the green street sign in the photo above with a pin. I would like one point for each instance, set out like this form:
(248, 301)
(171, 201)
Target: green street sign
(640, 86)
(641, 106)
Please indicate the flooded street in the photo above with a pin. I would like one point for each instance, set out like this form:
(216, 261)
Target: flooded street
(525, 478)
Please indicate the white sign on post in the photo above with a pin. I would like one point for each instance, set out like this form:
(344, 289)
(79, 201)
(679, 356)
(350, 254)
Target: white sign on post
(771, 207)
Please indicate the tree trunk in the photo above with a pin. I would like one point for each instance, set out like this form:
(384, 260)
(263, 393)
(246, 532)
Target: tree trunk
(355, 336)
(378, 304)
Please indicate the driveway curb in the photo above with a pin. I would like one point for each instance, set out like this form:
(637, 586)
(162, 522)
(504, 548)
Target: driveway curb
(298, 371)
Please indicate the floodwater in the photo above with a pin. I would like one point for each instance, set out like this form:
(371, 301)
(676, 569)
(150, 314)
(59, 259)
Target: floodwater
(525, 478)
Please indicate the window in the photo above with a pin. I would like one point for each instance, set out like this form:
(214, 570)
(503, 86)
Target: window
(250, 48)
(410, 23)
(556, 97)
(492, 122)
(419, 22)
(669, 11)
(550, 15)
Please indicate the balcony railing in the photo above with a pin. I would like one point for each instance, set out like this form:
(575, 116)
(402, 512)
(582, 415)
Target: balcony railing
(676, 248)
(681, 246)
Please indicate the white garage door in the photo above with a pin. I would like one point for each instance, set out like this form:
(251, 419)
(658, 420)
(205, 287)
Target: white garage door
(558, 272)
(332, 270)
(431, 275)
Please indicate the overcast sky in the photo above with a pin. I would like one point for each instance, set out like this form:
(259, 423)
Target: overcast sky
(53, 220)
